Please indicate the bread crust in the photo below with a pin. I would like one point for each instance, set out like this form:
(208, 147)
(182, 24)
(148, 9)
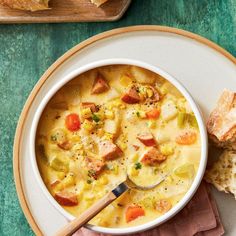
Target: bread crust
(30, 5)
(223, 173)
(221, 124)
(98, 2)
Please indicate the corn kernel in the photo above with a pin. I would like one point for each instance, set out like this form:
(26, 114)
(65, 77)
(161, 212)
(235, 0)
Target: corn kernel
(59, 187)
(89, 197)
(86, 186)
(68, 181)
(88, 125)
(104, 180)
(134, 172)
(108, 136)
(100, 132)
(149, 92)
(77, 146)
(151, 124)
(122, 106)
(75, 138)
(125, 80)
(87, 204)
(167, 149)
(60, 175)
(143, 90)
(86, 113)
(109, 114)
(135, 157)
(142, 97)
(164, 89)
(116, 103)
(116, 169)
(123, 146)
(141, 114)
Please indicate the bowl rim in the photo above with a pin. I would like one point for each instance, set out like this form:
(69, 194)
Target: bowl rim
(204, 143)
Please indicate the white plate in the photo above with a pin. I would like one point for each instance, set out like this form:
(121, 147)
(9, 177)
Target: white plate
(204, 71)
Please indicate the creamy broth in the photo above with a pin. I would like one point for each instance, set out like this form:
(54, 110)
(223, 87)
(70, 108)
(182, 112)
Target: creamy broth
(113, 120)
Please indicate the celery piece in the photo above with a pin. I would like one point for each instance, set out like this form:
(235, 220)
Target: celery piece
(59, 165)
(192, 121)
(185, 170)
(95, 117)
(181, 119)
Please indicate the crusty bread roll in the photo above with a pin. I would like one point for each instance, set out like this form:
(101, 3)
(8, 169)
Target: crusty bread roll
(30, 5)
(98, 2)
(223, 173)
(36, 5)
(221, 124)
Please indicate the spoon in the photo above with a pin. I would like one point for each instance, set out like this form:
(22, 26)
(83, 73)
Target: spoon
(86, 216)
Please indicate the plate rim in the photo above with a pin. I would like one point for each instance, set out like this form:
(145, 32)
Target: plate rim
(107, 34)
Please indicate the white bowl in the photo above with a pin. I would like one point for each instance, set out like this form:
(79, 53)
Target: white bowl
(203, 134)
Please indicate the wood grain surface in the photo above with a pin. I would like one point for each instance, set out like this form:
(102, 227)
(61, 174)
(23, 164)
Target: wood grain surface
(67, 11)
(26, 51)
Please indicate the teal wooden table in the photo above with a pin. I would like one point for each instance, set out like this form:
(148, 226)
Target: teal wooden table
(26, 51)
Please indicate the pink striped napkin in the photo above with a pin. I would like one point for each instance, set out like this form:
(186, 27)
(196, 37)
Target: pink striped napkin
(200, 217)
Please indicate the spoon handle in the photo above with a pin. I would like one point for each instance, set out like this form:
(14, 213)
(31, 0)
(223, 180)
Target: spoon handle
(85, 217)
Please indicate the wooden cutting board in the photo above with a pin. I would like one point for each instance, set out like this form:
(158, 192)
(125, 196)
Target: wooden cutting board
(67, 11)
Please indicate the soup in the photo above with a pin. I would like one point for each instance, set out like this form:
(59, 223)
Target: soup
(112, 121)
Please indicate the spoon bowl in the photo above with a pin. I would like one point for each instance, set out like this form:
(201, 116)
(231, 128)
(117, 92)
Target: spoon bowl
(84, 218)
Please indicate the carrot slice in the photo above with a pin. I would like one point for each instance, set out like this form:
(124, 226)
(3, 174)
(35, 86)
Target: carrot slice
(186, 138)
(72, 122)
(153, 114)
(134, 212)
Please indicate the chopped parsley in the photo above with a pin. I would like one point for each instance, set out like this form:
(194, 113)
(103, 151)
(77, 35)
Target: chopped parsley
(138, 114)
(95, 118)
(92, 173)
(137, 165)
(89, 181)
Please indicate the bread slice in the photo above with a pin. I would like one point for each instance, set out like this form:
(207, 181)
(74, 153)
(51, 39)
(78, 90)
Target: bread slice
(98, 2)
(30, 5)
(223, 173)
(221, 124)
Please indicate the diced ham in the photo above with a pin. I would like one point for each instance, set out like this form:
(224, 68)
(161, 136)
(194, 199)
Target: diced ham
(109, 150)
(100, 85)
(95, 166)
(65, 145)
(90, 105)
(152, 157)
(147, 139)
(65, 198)
(156, 96)
(131, 97)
